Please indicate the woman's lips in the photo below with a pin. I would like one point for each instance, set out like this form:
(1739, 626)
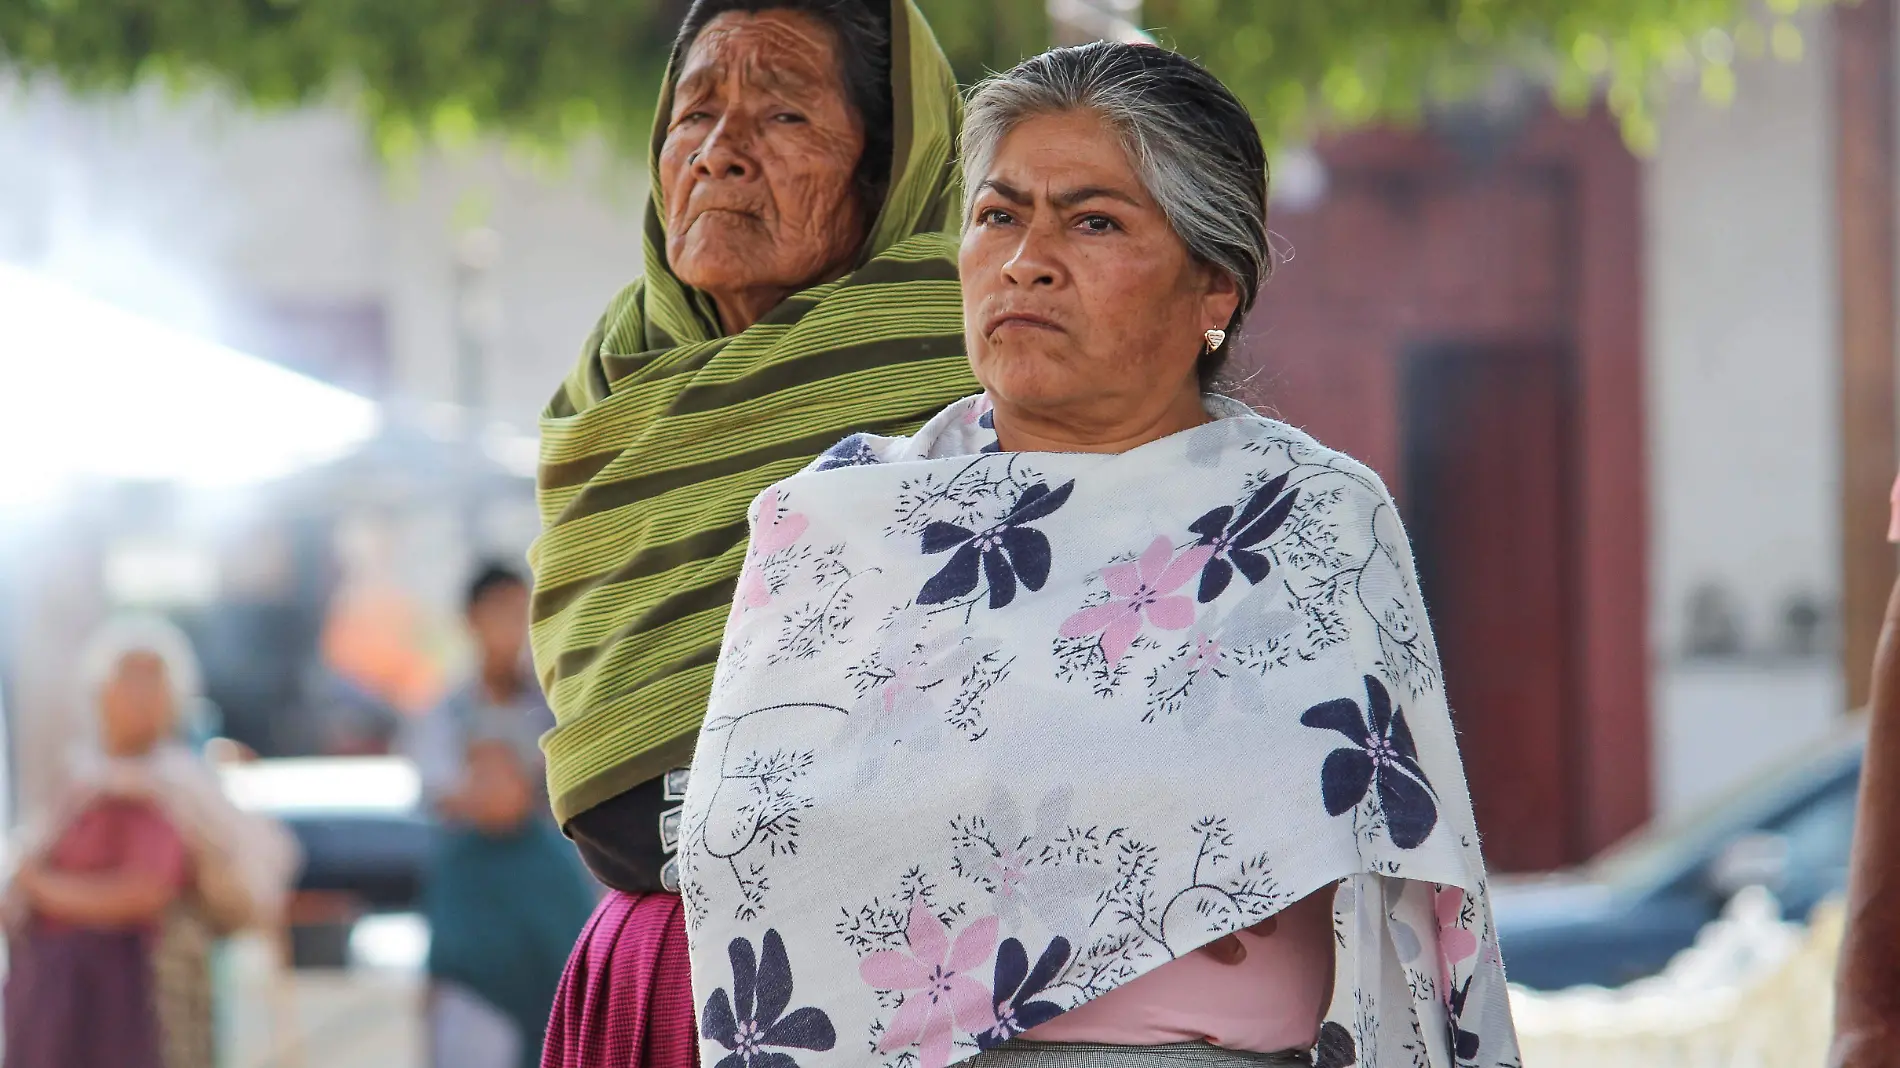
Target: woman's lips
(708, 213)
(1026, 320)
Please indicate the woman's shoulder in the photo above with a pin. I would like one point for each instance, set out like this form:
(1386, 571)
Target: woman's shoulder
(586, 385)
(1291, 447)
(963, 428)
(858, 450)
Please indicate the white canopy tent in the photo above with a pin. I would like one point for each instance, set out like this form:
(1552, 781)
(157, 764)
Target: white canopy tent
(91, 391)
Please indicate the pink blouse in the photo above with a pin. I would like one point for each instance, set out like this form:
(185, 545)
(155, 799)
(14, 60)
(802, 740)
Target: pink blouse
(1272, 1000)
(115, 834)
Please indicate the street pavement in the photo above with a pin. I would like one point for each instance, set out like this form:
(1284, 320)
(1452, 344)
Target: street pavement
(366, 1016)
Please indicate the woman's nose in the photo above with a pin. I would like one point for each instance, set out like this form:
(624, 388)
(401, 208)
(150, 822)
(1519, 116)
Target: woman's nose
(1031, 265)
(724, 154)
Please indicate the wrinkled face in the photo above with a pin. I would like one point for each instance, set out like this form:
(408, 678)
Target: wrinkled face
(499, 622)
(760, 152)
(135, 706)
(1077, 293)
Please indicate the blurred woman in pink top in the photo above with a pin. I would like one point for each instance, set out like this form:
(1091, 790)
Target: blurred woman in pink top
(122, 885)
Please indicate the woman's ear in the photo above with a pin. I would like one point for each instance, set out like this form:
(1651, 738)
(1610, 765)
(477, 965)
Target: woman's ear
(1220, 299)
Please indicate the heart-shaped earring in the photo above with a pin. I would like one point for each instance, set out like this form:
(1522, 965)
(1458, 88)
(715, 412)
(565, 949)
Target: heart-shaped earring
(1215, 339)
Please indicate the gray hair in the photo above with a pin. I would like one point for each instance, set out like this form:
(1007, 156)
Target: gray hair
(1191, 141)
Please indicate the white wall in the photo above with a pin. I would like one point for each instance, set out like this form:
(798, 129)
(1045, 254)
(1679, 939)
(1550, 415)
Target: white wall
(567, 244)
(1743, 440)
(190, 210)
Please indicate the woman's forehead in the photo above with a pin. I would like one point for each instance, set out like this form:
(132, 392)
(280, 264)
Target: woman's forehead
(140, 663)
(780, 51)
(1067, 157)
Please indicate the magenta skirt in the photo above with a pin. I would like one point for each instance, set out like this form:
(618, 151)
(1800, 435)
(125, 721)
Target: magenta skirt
(626, 999)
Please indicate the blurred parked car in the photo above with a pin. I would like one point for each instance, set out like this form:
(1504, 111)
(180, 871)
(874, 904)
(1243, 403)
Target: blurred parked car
(360, 821)
(365, 837)
(1625, 914)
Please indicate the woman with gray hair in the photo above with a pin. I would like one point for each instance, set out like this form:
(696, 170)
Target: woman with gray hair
(1099, 721)
(136, 866)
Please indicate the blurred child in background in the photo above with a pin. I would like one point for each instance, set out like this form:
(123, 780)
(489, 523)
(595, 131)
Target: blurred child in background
(506, 896)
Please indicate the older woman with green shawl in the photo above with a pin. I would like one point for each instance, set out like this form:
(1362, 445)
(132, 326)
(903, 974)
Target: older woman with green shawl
(800, 286)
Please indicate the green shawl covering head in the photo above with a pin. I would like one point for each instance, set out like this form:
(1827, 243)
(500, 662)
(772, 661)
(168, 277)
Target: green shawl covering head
(658, 441)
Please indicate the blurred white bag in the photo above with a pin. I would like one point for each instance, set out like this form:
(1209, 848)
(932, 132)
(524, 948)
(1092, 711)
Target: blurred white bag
(1753, 992)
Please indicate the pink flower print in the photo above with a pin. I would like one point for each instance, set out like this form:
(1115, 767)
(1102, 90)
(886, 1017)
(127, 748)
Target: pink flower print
(977, 409)
(940, 999)
(906, 677)
(1143, 589)
(1206, 655)
(1007, 870)
(1455, 944)
(753, 592)
(771, 533)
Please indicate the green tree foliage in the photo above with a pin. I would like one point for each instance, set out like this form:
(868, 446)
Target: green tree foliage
(982, 36)
(1302, 63)
(551, 71)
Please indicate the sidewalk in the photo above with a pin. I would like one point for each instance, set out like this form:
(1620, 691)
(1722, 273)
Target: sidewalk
(365, 1017)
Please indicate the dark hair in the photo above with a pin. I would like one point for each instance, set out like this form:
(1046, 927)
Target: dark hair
(1191, 140)
(864, 49)
(488, 579)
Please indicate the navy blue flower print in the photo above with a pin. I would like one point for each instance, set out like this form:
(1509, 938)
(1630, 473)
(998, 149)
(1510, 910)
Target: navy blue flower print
(753, 1018)
(1335, 1049)
(1464, 1044)
(853, 451)
(1017, 1008)
(1233, 537)
(1009, 553)
(1381, 760)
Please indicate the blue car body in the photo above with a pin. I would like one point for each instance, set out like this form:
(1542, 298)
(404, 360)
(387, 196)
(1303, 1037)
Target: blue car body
(1624, 915)
(360, 821)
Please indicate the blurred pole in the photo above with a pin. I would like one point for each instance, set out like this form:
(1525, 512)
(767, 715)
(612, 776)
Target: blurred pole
(1866, 183)
(477, 321)
(1073, 22)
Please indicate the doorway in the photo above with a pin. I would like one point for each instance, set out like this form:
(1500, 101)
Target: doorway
(1488, 475)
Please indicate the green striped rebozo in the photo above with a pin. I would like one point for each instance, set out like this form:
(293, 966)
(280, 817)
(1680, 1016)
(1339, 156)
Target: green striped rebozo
(658, 441)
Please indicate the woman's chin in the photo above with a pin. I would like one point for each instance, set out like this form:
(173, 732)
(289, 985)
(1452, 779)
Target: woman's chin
(721, 255)
(724, 269)
(1030, 381)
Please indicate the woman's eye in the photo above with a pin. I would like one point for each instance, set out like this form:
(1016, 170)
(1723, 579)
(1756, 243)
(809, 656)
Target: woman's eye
(993, 217)
(695, 116)
(1098, 224)
(788, 117)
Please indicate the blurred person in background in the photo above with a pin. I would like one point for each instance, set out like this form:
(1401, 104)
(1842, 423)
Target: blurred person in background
(1867, 1004)
(800, 285)
(137, 865)
(505, 896)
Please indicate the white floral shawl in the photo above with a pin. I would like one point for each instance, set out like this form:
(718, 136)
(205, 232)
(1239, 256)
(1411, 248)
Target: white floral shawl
(994, 733)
